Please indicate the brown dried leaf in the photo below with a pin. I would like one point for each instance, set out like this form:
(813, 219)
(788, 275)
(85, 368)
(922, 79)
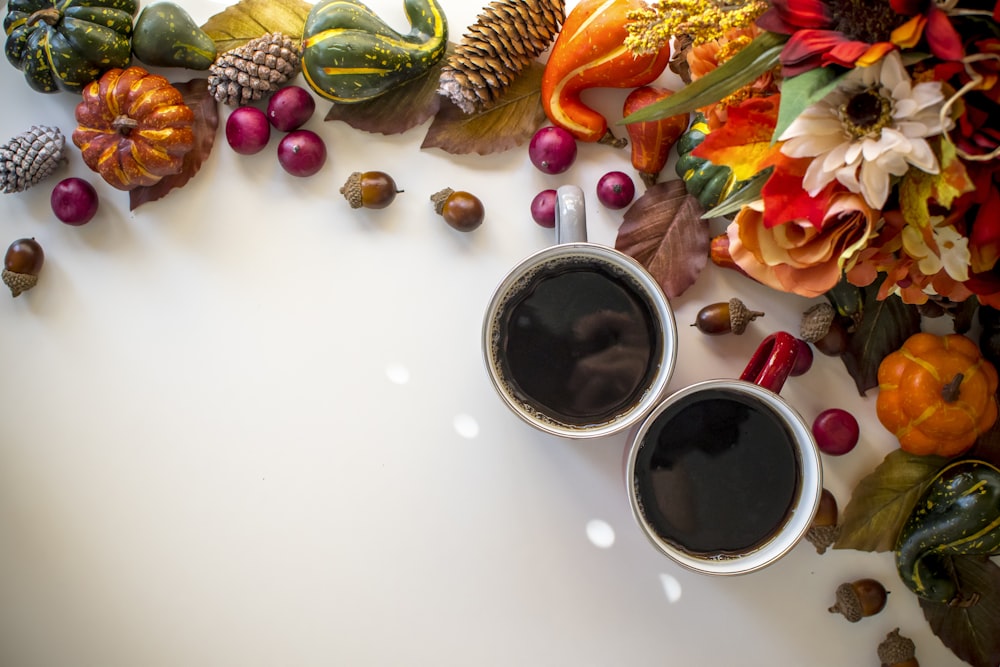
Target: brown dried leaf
(664, 232)
(249, 19)
(397, 110)
(882, 501)
(206, 125)
(511, 123)
(970, 632)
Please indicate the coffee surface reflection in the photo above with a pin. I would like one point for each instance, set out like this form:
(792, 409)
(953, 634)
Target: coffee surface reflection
(579, 343)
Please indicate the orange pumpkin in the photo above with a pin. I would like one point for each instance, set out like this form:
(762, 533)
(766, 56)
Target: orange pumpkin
(133, 128)
(937, 394)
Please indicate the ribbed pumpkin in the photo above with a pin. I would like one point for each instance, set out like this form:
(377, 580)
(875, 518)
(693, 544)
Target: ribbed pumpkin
(67, 44)
(937, 394)
(133, 128)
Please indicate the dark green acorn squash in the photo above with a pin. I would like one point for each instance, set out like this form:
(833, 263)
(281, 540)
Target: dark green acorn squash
(708, 182)
(66, 44)
(958, 515)
(349, 54)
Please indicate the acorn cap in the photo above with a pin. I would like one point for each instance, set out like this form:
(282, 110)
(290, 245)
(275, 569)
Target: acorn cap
(848, 603)
(740, 316)
(816, 322)
(352, 190)
(439, 198)
(896, 649)
(18, 282)
(822, 537)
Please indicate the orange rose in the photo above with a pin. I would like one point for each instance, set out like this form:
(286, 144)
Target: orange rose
(797, 256)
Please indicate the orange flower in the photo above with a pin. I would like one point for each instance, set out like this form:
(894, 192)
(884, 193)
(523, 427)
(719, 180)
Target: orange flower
(798, 256)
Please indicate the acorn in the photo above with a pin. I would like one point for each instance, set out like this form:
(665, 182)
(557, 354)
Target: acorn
(859, 599)
(725, 317)
(824, 531)
(816, 322)
(22, 263)
(369, 189)
(461, 210)
(897, 651)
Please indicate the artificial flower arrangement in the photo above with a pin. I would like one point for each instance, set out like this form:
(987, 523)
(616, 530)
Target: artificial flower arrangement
(860, 131)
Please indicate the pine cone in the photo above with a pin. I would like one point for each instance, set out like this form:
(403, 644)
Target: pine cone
(255, 70)
(29, 157)
(505, 39)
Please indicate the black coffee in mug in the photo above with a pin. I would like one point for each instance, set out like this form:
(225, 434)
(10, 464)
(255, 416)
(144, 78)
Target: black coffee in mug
(576, 340)
(717, 474)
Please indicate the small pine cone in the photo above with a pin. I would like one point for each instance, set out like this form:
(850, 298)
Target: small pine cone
(816, 322)
(255, 70)
(507, 37)
(30, 157)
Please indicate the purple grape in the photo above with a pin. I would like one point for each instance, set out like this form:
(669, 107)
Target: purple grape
(74, 201)
(247, 130)
(302, 153)
(543, 208)
(289, 108)
(552, 150)
(615, 189)
(836, 431)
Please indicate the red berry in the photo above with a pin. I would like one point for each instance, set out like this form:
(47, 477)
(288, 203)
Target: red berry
(615, 189)
(247, 130)
(552, 149)
(836, 431)
(289, 108)
(302, 153)
(543, 208)
(803, 358)
(74, 201)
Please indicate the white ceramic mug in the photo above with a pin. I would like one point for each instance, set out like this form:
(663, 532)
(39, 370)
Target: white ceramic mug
(579, 340)
(724, 476)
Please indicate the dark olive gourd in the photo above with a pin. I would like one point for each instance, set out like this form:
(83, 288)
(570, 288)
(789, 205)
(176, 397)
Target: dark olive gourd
(957, 515)
(165, 35)
(708, 182)
(66, 45)
(349, 54)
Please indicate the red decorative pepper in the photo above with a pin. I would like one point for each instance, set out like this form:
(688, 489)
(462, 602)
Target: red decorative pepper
(590, 52)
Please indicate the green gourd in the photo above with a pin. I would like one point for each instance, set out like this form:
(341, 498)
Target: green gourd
(957, 515)
(64, 45)
(349, 54)
(165, 35)
(709, 183)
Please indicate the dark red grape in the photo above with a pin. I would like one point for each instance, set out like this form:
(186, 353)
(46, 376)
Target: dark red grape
(552, 150)
(543, 208)
(74, 201)
(247, 130)
(302, 153)
(615, 189)
(289, 108)
(836, 431)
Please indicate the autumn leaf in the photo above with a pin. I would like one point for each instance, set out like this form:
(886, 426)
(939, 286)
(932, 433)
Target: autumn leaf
(918, 189)
(664, 232)
(206, 125)
(397, 110)
(882, 501)
(249, 19)
(743, 143)
(508, 124)
(884, 327)
(970, 632)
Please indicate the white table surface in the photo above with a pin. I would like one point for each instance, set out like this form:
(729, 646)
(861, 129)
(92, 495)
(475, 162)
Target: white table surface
(247, 425)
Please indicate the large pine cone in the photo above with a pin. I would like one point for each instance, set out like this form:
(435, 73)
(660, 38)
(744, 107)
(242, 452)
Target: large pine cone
(30, 157)
(255, 70)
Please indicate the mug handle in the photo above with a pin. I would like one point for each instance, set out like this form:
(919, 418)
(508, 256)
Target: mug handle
(772, 362)
(571, 215)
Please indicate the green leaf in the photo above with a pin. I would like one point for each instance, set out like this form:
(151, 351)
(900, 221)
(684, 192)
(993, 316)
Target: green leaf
(508, 124)
(755, 59)
(745, 193)
(664, 232)
(970, 632)
(249, 19)
(881, 502)
(800, 92)
(884, 327)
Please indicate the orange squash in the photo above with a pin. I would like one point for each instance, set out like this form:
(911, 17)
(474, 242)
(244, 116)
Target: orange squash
(133, 128)
(937, 394)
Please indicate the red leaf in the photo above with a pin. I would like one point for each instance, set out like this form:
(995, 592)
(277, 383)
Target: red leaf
(743, 143)
(664, 232)
(206, 123)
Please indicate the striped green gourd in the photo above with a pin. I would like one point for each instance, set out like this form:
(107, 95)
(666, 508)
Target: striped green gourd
(349, 54)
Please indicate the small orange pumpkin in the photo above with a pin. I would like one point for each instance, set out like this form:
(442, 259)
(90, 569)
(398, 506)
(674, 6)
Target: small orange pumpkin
(937, 394)
(133, 128)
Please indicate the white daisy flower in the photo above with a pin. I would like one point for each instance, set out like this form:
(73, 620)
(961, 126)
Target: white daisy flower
(952, 253)
(872, 127)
